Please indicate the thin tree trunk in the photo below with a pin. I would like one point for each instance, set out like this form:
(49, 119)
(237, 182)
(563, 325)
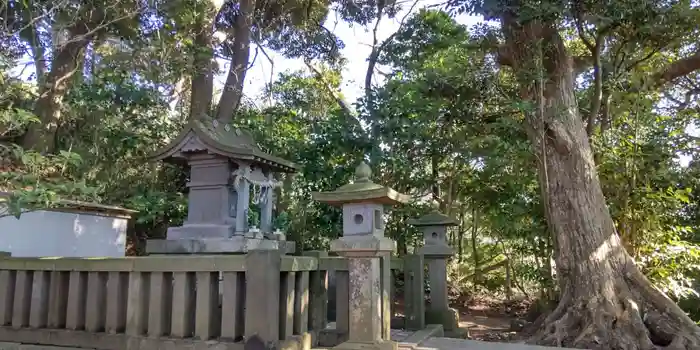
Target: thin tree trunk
(475, 250)
(605, 118)
(284, 193)
(435, 179)
(460, 240)
(606, 302)
(175, 102)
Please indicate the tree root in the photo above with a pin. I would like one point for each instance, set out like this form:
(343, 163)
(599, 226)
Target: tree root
(632, 318)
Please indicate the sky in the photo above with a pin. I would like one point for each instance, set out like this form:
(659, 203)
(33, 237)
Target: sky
(357, 40)
(357, 48)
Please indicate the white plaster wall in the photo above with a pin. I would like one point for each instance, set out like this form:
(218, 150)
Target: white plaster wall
(53, 233)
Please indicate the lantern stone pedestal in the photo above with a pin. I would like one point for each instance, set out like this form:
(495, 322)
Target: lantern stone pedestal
(368, 321)
(368, 253)
(225, 164)
(436, 251)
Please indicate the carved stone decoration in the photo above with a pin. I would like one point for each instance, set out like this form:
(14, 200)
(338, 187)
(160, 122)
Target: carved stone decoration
(233, 199)
(192, 144)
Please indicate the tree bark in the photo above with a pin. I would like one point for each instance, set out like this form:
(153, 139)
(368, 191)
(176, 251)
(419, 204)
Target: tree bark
(606, 302)
(202, 89)
(41, 136)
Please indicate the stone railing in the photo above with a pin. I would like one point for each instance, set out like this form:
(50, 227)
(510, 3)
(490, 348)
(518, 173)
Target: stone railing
(174, 302)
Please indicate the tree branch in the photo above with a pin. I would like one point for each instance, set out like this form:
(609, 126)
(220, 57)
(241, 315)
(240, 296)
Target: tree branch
(272, 69)
(597, 96)
(377, 49)
(341, 102)
(677, 69)
(374, 55)
(579, 27)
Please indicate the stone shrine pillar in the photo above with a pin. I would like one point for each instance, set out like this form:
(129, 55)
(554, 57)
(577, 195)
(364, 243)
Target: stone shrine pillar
(436, 251)
(228, 171)
(368, 253)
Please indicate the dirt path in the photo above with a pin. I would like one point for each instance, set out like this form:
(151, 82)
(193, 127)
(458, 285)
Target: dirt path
(482, 327)
(490, 320)
(486, 320)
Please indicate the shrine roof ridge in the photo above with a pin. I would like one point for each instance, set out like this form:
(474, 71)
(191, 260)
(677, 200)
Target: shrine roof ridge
(224, 140)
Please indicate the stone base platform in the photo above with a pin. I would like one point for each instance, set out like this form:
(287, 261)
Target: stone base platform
(233, 245)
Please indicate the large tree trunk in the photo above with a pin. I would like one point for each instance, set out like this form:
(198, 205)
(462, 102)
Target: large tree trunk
(606, 302)
(233, 90)
(203, 75)
(41, 136)
(202, 89)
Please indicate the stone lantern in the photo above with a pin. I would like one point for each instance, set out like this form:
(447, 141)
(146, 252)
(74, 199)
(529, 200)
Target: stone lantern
(368, 253)
(434, 227)
(226, 167)
(436, 251)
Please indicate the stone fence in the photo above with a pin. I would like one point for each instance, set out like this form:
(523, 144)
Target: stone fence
(176, 302)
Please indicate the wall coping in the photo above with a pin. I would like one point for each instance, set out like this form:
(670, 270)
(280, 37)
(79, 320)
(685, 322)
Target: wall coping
(79, 207)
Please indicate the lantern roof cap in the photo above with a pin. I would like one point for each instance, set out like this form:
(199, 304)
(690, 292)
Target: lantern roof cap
(434, 218)
(361, 190)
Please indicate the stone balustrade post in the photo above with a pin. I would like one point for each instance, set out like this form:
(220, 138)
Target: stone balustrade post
(368, 293)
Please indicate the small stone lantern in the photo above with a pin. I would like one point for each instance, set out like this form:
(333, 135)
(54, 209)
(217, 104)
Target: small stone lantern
(436, 251)
(434, 227)
(226, 165)
(368, 253)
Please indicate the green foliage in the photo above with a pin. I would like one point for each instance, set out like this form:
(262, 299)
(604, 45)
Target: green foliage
(29, 180)
(38, 183)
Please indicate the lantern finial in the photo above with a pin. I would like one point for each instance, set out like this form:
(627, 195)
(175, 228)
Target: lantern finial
(363, 173)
